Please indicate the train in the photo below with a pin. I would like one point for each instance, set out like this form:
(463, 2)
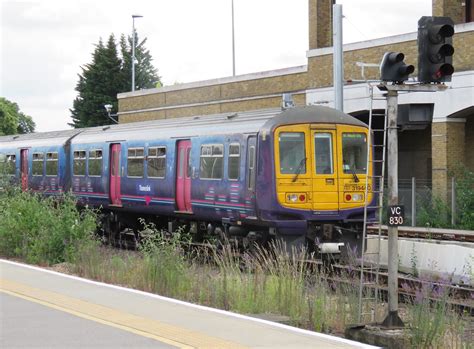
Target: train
(297, 174)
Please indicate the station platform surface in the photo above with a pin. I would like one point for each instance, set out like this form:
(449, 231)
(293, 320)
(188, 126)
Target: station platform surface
(42, 308)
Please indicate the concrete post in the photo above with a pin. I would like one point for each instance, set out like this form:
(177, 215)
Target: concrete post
(392, 319)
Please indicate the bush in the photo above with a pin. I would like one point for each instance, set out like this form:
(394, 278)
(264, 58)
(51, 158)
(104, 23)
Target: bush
(43, 230)
(465, 200)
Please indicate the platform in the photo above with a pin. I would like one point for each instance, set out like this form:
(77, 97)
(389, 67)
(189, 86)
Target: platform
(38, 304)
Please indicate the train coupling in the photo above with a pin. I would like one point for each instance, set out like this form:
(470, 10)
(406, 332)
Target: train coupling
(330, 247)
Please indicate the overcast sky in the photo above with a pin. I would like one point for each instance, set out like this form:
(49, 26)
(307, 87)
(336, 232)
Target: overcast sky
(45, 42)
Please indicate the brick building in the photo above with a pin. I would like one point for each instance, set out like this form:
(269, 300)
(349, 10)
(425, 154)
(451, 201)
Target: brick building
(431, 148)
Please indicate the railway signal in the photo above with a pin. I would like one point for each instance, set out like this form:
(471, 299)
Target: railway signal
(394, 69)
(435, 49)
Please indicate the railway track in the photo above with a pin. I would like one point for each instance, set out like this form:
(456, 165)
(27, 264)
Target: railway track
(427, 233)
(460, 297)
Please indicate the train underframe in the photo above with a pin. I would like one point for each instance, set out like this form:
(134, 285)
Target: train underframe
(321, 239)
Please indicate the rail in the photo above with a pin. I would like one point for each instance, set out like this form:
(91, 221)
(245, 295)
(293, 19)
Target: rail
(427, 233)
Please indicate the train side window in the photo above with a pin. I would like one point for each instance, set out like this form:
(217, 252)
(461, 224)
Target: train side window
(233, 168)
(323, 153)
(52, 164)
(135, 160)
(251, 167)
(211, 162)
(79, 164)
(10, 164)
(38, 161)
(3, 164)
(95, 163)
(156, 162)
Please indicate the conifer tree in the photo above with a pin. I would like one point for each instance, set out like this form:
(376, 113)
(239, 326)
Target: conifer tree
(98, 85)
(107, 75)
(146, 75)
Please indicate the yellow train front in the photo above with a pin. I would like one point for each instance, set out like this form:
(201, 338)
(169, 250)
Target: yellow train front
(311, 182)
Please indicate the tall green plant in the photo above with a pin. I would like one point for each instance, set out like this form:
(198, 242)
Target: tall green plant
(465, 199)
(40, 230)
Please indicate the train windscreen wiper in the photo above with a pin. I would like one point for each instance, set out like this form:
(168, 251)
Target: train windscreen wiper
(356, 179)
(299, 169)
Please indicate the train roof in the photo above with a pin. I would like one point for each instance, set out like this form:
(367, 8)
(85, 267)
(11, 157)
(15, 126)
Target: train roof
(187, 127)
(226, 123)
(53, 138)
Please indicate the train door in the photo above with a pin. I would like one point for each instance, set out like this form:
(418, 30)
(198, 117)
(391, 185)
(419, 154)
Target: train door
(325, 192)
(24, 169)
(114, 192)
(251, 165)
(183, 176)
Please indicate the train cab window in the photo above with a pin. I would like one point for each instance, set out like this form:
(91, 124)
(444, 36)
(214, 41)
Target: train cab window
(292, 153)
(7, 164)
(38, 161)
(135, 160)
(234, 162)
(79, 164)
(95, 163)
(323, 153)
(156, 160)
(52, 164)
(354, 152)
(211, 164)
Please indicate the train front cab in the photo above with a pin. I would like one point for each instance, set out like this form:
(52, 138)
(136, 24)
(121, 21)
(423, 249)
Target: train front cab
(321, 173)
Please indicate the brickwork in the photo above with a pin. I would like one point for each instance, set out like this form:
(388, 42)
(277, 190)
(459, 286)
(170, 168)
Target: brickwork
(225, 97)
(320, 76)
(448, 149)
(320, 23)
(450, 8)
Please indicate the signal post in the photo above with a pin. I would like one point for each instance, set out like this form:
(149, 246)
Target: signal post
(435, 52)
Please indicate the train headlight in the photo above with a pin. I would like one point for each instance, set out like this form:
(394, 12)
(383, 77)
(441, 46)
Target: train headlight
(295, 198)
(353, 197)
(292, 198)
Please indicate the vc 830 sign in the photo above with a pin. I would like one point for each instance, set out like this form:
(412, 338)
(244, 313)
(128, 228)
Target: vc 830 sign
(396, 215)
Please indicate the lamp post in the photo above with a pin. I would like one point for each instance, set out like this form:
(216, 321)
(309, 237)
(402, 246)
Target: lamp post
(233, 41)
(133, 50)
(108, 109)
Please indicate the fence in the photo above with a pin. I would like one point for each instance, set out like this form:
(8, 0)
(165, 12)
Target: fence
(417, 198)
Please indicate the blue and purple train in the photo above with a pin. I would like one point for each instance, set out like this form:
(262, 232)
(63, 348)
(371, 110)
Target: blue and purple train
(297, 174)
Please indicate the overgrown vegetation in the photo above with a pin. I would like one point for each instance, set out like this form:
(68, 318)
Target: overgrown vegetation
(43, 231)
(268, 281)
(433, 211)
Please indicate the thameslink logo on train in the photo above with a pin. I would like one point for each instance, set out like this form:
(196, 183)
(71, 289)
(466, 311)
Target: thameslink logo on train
(396, 215)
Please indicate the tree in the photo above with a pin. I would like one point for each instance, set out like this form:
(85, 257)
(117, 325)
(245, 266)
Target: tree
(146, 75)
(98, 85)
(107, 75)
(12, 120)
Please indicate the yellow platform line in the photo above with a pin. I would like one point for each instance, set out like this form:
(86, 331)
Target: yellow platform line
(165, 333)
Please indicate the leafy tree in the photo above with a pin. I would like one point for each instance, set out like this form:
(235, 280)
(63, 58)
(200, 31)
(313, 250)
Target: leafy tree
(107, 75)
(12, 120)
